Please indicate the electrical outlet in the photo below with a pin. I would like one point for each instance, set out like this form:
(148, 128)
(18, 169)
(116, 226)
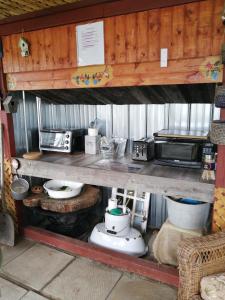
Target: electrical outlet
(164, 57)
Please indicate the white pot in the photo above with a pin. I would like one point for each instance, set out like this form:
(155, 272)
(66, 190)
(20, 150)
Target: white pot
(119, 224)
(187, 216)
(53, 189)
(92, 131)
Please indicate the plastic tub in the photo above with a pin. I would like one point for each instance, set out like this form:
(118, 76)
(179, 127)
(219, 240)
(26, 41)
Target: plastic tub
(188, 213)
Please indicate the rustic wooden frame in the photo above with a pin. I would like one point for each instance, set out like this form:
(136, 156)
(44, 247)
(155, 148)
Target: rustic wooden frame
(148, 181)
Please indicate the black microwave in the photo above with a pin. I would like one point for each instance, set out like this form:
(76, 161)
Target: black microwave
(181, 148)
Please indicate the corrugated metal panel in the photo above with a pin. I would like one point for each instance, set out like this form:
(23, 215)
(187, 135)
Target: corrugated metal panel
(157, 117)
(128, 121)
(26, 116)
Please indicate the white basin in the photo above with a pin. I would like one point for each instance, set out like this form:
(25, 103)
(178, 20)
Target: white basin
(61, 189)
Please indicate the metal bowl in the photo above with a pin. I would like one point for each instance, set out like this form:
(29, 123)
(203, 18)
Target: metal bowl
(19, 189)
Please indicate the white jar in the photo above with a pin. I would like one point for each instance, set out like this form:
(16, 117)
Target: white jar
(92, 131)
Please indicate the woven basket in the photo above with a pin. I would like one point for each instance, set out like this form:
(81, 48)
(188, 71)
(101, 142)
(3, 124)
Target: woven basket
(217, 132)
(220, 96)
(199, 257)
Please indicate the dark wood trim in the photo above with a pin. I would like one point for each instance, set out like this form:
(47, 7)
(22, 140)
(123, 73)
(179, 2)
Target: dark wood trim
(162, 273)
(79, 12)
(54, 10)
(3, 84)
(9, 141)
(6, 119)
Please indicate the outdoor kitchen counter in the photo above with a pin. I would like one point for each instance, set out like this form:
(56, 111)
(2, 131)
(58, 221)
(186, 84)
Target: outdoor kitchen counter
(121, 173)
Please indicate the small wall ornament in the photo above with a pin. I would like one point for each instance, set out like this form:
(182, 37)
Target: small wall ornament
(24, 47)
(92, 76)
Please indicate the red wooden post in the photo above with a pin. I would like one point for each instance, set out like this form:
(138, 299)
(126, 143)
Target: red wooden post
(218, 222)
(8, 138)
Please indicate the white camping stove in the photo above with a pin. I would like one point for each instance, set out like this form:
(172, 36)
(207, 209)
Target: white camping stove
(116, 233)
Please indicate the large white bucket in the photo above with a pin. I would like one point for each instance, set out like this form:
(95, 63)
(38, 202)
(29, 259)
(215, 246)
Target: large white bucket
(188, 216)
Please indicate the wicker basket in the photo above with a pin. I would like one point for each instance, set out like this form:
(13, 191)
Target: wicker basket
(197, 258)
(217, 132)
(220, 96)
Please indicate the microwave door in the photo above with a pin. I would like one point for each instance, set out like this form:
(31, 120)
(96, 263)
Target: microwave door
(177, 151)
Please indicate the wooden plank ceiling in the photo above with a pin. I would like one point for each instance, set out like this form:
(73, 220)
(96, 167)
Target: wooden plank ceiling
(9, 8)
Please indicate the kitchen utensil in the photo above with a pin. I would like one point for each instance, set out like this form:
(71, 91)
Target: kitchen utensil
(61, 189)
(7, 231)
(19, 189)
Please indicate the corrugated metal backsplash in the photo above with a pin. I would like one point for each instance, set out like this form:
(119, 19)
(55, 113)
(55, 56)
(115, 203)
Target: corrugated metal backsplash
(129, 121)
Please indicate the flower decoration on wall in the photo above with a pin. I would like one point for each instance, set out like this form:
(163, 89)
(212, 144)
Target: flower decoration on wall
(92, 76)
(212, 69)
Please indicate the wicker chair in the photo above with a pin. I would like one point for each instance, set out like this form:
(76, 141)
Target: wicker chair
(199, 257)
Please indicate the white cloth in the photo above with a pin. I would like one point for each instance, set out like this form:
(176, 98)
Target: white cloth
(213, 287)
(166, 242)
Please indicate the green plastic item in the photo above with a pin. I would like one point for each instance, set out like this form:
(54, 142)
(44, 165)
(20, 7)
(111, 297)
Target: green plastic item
(116, 211)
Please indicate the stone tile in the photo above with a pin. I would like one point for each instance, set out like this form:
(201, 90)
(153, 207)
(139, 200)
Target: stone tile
(133, 288)
(9, 253)
(33, 296)
(10, 291)
(83, 279)
(37, 266)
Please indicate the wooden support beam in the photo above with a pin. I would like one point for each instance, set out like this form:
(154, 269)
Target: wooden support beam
(155, 179)
(79, 12)
(164, 274)
(6, 119)
(218, 221)
(9, 141)
(182, 71)
(9, 150)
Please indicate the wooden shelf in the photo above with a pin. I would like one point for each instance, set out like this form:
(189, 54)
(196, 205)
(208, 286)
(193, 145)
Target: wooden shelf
(90, 169)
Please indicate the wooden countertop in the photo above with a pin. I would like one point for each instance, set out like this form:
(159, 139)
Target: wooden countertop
(122, 173)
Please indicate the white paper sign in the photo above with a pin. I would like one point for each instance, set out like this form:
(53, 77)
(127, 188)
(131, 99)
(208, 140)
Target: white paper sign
(90, 44)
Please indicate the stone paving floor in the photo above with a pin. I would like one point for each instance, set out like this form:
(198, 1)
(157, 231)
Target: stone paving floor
(32, 271)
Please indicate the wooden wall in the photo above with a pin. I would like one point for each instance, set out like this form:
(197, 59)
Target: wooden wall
(188, 31)
(193, 34)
